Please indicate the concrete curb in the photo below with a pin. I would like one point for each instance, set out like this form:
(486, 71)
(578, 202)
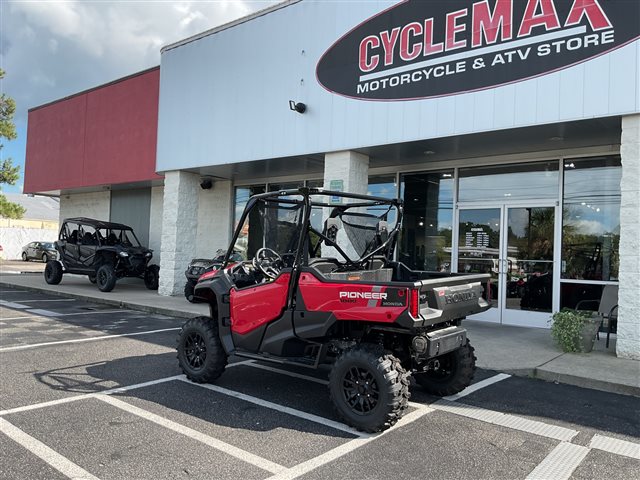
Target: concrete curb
(104, 301)
(568, 379)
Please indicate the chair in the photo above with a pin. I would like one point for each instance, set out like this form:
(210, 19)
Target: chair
(607, 309)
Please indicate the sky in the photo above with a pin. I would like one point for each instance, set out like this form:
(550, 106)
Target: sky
(52, 49)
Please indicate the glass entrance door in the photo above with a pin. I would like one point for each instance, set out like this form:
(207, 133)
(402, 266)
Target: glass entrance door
(515, 245)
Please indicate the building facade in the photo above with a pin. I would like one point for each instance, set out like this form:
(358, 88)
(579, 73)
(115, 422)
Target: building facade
(511, 130)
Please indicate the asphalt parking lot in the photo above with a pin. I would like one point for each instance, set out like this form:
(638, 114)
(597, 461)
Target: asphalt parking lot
(89, 391)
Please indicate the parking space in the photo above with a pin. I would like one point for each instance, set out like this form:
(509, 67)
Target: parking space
(100, 404)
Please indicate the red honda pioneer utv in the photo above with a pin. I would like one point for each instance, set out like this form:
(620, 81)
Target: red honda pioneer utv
(319, 286)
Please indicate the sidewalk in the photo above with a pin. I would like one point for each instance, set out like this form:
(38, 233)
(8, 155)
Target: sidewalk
(516, 350)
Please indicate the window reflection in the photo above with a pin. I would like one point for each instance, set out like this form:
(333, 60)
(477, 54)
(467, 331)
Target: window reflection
(591, 218)
(509, 182)
(425, 241)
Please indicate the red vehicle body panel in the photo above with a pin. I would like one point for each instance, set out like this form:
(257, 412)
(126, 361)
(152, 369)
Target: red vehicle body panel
(321, 296)
(253, 307)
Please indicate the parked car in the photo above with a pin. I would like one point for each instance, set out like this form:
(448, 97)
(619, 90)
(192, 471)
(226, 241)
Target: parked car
(104, 251)
(43, 251)
(200, 266)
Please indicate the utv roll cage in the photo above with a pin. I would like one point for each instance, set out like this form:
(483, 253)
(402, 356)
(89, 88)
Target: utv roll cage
(386, 239)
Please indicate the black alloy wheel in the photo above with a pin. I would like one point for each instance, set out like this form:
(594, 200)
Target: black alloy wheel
(200, 353)
(195, 350)
(369, 388)
(106, 278)
(360, 390)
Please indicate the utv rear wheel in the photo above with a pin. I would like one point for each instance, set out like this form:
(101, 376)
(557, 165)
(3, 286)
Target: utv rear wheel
(369, 388)
(200, 353)
(152, 277)
(53, 273)
(188, 292)
(106, 278)
(453, 374)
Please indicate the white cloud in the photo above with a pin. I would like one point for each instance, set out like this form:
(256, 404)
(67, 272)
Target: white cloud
(51, 49)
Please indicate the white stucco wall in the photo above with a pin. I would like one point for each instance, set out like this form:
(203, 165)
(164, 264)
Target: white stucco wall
(155, 223)
(13, 239)
(214, 219)
(92, 205)
(628, 340)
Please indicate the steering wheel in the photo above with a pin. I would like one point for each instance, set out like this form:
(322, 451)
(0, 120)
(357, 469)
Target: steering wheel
(268, 262)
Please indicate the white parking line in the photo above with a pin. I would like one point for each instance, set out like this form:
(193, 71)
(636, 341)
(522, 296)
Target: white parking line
(50, 313)
(477, 386)
(280, 408)
(12, 291)
(5, 303)
(506, 420)
(345, 448)
(84, 396)
(560, 463)
(50, 456)
(236, 452)
(50, 300)
(23, 317)
(88, 339)
(614, 445)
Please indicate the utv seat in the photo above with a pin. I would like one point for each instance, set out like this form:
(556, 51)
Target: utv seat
(380, 275)
(324, 265)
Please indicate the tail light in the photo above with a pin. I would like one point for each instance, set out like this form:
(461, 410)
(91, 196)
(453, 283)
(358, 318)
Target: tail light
(414, 303)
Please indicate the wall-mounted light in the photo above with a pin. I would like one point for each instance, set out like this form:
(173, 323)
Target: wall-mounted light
(297, 107)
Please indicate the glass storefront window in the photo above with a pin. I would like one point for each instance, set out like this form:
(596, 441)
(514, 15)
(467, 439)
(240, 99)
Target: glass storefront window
(250, 238)
(425, 242)
(591, 219)
(509, 182)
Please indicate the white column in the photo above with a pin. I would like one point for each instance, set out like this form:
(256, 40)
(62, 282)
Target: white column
(179, 227)
(214, 218)
(628, 337)
(352, 168)
(351, 171)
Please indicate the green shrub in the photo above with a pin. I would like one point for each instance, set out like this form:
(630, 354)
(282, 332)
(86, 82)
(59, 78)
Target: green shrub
(566, 328)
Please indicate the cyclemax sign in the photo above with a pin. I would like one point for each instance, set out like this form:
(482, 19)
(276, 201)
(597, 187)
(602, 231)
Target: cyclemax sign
(430, 48)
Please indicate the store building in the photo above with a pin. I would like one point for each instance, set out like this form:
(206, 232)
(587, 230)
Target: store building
(510, 129)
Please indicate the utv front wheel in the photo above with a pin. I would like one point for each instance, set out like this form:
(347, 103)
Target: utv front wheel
(152, 277)
(453, 373)
(189, 291)
(106, 278)
(200, 353)
(369, 388)
(53, 273)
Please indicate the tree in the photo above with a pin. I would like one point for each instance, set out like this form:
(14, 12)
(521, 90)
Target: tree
(9, 173)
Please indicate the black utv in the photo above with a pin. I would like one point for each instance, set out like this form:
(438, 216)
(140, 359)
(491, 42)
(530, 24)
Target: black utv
(200, 266)
(104, 251)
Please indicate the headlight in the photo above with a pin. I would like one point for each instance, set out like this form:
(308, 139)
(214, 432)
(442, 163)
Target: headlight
(148, 254)
(123, 254)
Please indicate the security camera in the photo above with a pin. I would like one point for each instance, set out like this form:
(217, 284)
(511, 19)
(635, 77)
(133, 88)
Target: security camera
(297, 107)
(206, 184)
